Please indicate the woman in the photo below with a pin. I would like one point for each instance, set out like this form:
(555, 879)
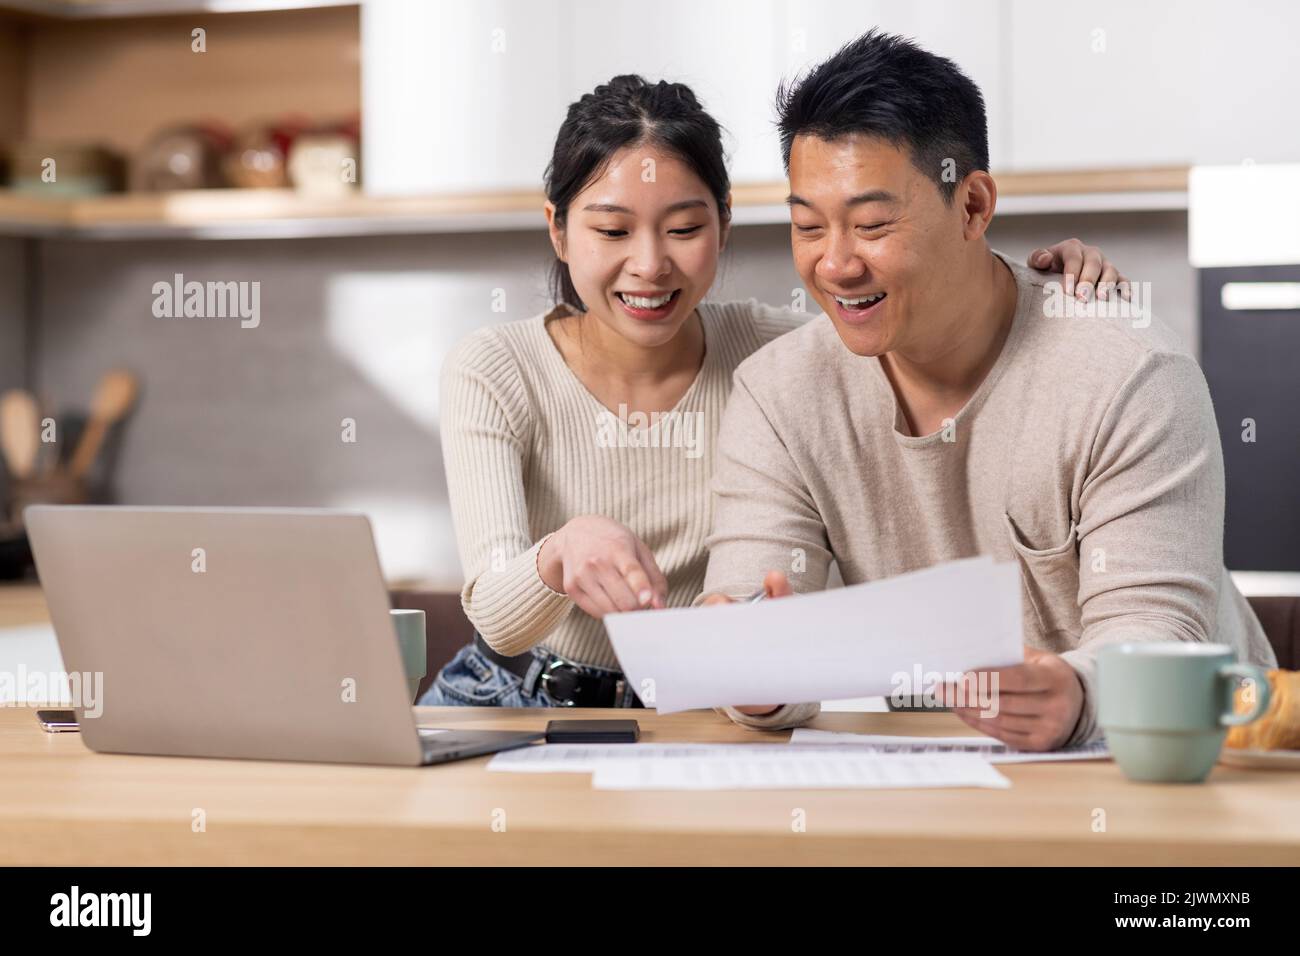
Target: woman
(578, 443)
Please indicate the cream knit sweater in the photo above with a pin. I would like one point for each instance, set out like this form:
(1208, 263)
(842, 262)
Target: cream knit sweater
(527, 447)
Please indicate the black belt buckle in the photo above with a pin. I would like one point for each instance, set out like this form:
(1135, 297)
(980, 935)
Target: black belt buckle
(560, 680)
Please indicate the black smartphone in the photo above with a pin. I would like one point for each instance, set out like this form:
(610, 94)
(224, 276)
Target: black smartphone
(592, 732)
(58, 721)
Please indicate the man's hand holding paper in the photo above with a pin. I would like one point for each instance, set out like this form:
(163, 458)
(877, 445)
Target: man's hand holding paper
(1038, 702)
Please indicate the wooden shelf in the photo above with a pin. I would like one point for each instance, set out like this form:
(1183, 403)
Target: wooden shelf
(1155, 179)
(107, 9)
(285, 214)
(1024, 193)
(262, 214)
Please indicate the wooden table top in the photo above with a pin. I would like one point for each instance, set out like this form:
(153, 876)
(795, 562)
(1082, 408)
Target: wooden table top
(62, 804)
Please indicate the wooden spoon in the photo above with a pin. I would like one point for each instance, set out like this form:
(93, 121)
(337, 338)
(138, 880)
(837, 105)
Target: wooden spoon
(20, 432)
(113, 399)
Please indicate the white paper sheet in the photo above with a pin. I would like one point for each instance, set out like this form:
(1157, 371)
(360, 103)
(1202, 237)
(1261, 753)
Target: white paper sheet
(857, 641)
(991, 749)
(857, 705)
(32, 667)
(820, 771)
(584, 758)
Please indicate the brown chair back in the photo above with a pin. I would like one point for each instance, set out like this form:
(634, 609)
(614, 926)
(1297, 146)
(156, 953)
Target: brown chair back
(448, 630)
(1280, 618)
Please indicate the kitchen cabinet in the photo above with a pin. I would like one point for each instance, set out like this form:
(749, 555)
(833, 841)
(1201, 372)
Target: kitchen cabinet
(1099, 85)
(1195, 82)
(469, 97)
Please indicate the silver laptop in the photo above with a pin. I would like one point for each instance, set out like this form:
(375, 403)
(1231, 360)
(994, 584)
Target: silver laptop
(235, 632)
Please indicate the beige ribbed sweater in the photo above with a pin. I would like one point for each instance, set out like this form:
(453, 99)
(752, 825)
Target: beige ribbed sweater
(527, 447)
(1089, 455)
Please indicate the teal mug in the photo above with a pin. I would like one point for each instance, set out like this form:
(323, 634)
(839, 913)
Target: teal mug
(1166, 706)
(409, 625)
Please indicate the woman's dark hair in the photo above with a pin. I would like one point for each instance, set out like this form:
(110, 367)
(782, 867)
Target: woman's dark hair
(886, 86)
(628, 111)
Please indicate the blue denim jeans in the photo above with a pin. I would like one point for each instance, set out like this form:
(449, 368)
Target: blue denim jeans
(471, 680)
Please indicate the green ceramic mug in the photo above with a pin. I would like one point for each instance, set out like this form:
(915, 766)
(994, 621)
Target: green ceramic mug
(409, 625)
(1167, 705)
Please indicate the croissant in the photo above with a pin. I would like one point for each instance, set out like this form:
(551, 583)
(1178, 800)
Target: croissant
(1279, 727)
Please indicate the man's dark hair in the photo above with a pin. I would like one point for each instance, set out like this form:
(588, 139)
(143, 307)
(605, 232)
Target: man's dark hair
(883, 85)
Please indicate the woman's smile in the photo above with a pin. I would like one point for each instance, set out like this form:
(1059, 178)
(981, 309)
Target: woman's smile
(648, 306)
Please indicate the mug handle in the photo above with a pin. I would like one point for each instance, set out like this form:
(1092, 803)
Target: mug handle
(1246, 672)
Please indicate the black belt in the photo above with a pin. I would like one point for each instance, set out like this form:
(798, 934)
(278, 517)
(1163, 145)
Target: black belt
(563, 681)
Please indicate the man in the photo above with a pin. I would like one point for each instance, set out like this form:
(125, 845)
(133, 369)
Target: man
(943, 411)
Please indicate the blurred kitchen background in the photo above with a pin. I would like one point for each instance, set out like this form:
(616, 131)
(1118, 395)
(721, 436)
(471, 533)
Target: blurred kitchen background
(376, 168)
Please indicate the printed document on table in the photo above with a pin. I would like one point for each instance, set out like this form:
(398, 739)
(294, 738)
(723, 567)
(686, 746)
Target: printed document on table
(863, 640)
(585, 758)
(990, 748)
(821, 771)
